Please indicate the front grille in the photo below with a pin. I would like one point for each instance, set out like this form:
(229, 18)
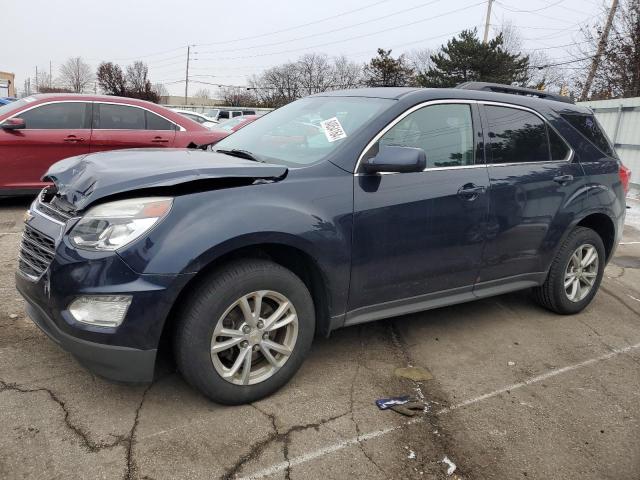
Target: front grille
(36, 252)
(50, 209)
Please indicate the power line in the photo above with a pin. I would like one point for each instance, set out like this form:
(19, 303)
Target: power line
(415, 22)
(384, 17)
(288, 29)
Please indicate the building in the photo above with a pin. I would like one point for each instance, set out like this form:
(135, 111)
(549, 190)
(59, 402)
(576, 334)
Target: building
(620, 118)
(7, 84)
(178, 100)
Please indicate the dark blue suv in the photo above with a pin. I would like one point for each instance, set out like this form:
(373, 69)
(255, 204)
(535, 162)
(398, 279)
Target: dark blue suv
(338, 209)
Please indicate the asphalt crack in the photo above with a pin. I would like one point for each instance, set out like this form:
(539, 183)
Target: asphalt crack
(620, 299)
(127, 441)
(352, 403)
(256, 449)
(83, 436)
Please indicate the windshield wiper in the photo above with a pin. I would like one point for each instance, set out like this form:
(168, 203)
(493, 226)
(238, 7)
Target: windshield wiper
(242, 154)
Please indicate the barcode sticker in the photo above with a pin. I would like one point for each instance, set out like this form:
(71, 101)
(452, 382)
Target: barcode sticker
(333, 129)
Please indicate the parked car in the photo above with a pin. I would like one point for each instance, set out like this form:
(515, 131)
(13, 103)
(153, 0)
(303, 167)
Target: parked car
(234, 124)
(202, 119)
(222, 114)
(7, 100)
(402, 200)
(37, 131)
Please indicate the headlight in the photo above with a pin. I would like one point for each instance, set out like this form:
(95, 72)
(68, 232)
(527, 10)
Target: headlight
(115, 224)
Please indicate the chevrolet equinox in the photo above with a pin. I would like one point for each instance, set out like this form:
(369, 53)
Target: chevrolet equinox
(337, 209)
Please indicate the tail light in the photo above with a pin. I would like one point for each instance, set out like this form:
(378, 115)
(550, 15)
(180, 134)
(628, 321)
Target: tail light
(625, 177)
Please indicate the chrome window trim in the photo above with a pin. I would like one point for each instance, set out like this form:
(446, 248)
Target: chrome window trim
(52, 102)
(409, 111)
(180, 127)
(566, 159)
(17, 115)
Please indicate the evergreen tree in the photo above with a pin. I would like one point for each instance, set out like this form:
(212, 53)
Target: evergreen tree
(386, 71)
(467, 59)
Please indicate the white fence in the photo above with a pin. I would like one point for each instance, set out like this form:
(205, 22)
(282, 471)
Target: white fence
(621, 120)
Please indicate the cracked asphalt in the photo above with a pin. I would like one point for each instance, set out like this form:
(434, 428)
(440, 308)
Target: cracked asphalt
(517, 392)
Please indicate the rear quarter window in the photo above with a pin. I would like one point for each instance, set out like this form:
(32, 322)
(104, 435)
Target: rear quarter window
(589, 128)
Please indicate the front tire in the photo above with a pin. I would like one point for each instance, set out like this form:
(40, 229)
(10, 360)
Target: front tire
(244, 331)
(575, 274)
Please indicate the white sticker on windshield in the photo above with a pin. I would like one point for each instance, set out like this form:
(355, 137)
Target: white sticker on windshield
(333, 129)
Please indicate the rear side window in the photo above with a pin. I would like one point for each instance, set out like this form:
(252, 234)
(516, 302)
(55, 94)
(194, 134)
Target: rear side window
(120, 117)
(587, 126)
(156, 122)
(516, 136)
(444, 132)
(57, 116)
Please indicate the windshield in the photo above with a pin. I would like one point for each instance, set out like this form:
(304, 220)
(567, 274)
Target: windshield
(305, 131)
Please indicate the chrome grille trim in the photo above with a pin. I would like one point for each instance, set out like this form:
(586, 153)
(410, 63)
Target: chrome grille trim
(36, 253)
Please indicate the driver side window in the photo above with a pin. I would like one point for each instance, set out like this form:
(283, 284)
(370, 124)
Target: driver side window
(444, 132)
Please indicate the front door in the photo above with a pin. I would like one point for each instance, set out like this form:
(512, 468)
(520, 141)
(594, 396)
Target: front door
(534, 194)
(418, 234)
(53, 131)
(117, 126)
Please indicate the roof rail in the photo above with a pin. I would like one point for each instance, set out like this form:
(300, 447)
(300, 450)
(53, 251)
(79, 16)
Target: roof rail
(500, 88)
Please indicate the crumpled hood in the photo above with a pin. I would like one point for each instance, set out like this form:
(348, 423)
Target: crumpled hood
(84, 179)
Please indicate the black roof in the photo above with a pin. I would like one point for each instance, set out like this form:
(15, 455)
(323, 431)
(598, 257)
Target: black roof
(478, 91)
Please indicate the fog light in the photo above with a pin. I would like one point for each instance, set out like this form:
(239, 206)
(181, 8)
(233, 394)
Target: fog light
(100, 310)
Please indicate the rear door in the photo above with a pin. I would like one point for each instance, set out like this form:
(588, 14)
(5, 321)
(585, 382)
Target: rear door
(535, 193)
(417, 234)
(53, 131)
(117, 126)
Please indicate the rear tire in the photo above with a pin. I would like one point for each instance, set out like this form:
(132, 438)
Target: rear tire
(229, 343)
(575, 274)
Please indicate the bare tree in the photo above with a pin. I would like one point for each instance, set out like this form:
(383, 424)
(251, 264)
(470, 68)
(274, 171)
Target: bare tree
(618, 73)
(237, 97)
(539, 74)
(420, 60)
(346, 74)
(138, 83)
(75, 75)
(315, 73)
(161, 90)
(203, 94)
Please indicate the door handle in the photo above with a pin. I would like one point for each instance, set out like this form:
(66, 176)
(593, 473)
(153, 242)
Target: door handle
(470, 191)
(160, 140)
(73, 138)
(563, 179)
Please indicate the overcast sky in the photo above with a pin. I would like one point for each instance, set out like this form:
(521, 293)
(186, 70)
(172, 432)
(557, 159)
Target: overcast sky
(237, 38)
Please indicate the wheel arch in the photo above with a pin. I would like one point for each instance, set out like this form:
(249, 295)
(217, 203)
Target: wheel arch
(292, 257)
(604, 226)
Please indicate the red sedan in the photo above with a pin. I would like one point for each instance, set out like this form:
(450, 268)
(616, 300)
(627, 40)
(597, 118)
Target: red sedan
(37, 131)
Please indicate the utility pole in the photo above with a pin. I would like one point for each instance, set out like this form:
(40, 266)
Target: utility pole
(37, 82)
(487, 21)
(602, 43)
(186, 80)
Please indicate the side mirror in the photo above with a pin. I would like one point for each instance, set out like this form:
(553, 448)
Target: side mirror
(13, 124)
(397, 159)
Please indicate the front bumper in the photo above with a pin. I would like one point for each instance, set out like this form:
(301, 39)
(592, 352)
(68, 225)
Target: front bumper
(121, 364)
(125, 353)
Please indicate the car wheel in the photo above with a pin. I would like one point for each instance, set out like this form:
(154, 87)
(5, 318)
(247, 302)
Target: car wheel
(575, 274)
(245, 331)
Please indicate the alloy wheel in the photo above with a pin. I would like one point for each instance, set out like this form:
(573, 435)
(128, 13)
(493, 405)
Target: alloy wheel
(254, 337)
(581, 272)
